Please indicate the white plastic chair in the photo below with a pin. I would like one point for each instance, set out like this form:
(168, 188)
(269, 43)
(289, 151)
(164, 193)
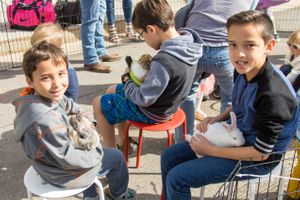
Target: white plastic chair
(277, 171)
(36, 185)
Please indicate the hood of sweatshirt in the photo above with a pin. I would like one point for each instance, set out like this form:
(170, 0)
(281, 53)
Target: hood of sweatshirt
(29, 109)
(187, 47)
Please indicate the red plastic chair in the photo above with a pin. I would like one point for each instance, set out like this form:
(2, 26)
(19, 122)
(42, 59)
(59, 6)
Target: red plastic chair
(177, 120)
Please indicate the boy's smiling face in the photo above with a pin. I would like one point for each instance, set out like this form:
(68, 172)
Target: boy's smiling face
(247, 49)
(50, 80)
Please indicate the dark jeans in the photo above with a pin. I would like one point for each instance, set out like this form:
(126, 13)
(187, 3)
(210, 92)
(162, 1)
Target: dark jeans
(286, 69)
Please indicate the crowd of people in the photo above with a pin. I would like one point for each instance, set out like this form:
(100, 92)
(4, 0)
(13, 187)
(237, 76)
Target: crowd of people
(223, 38)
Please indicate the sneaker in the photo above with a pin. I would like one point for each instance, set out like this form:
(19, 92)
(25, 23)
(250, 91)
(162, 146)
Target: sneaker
(130, 194)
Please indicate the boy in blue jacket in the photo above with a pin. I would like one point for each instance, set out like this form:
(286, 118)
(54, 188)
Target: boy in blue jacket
(266, 108)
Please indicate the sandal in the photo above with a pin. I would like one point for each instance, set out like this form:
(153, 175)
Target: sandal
(113, 36)
(130, 34)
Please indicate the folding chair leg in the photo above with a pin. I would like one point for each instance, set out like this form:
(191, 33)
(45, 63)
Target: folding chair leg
(281, 184)
(29, 195)
(100, 187)
(202, 190)
(252, 191)
(230, 190)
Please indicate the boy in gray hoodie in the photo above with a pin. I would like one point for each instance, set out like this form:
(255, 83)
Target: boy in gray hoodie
(167, 83)
(42, 126)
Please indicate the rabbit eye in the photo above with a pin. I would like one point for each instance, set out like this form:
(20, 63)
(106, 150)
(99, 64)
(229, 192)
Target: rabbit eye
(234, 138)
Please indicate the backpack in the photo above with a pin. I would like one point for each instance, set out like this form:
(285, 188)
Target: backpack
(263, 4)
(182, 15)
(68, 12)
(28, 14)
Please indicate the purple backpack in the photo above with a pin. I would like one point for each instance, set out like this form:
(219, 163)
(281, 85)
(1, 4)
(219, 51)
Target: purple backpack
(28, 14)
(262, 4)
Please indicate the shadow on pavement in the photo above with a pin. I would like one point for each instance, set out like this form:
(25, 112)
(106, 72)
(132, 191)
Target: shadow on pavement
(12, 167)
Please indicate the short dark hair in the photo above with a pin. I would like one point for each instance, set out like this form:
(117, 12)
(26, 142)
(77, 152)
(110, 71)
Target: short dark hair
(256, 18)
(152, 12)
(40, 52)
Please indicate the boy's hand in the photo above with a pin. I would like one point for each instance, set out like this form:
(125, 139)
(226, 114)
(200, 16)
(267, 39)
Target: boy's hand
(125, 77)
(202, 126)
(200, 145)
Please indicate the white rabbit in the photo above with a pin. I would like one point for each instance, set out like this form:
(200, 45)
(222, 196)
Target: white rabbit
(222, 134)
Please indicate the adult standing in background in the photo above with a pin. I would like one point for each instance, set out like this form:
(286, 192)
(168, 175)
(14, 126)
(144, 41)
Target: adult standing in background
(92, 38)
(111, 20)
(208, 19)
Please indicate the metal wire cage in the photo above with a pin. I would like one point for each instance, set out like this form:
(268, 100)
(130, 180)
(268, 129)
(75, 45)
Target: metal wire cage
(283, 182)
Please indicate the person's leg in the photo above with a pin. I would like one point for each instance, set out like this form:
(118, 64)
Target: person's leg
(89, 20)
(110, 12)
(218, 63)
(188, 106)
(127, 10)
(115, 169)
(178, 164)
(99, 36)
(173, 156)
(269, 12)
(211, 170)
(286, 69)
(122, 132)
(103, 126)
(73, 89)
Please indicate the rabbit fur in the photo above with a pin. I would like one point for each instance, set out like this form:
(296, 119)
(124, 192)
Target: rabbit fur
(83, 133)
(222, 134)
(139, 68)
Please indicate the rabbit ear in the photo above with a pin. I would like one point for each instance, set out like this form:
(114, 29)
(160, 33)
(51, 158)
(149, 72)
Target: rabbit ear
(128, 60)
(227, 126)
(233, 120)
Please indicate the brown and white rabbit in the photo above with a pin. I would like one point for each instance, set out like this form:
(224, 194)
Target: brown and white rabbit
(83, 133)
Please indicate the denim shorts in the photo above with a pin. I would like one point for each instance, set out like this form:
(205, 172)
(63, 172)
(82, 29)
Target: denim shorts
(117, 108)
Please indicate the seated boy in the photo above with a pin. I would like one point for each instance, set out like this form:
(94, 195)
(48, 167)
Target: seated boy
(54, 35)
(266, 108)
(42, 125)
(166, 84)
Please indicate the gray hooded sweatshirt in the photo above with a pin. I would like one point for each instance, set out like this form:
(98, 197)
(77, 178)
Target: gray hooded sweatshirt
(187, 48)
(42, 126)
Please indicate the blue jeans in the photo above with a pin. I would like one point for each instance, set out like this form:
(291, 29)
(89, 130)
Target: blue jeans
(216, 61)
(115, 169)
(182, 170)
(110, 13)
(91, 30)
(73, 88)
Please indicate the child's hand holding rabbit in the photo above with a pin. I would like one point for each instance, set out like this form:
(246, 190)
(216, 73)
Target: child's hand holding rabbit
(219, 134)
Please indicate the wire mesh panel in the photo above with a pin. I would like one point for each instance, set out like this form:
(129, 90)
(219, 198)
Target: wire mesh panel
(13, 42)
(275, 185)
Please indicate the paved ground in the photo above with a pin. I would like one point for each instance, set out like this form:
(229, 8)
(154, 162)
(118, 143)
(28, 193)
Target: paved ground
(146, 180)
